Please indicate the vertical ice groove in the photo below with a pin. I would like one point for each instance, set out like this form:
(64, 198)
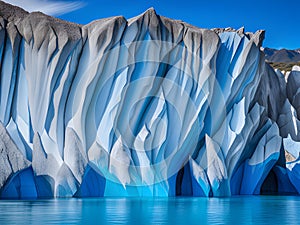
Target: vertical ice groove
(9, 72)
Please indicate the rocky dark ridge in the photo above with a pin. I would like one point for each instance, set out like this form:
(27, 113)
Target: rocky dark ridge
(282, 55)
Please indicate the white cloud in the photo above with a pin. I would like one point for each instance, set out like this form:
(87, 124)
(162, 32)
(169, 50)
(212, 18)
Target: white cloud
(49, 7)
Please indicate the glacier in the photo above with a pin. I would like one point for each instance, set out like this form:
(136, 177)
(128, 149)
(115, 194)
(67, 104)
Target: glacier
(148, 106)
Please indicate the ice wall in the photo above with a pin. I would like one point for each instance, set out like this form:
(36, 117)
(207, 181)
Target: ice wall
(142, 107)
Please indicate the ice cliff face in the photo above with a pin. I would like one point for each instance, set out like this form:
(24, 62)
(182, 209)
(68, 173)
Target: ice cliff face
(144, 107)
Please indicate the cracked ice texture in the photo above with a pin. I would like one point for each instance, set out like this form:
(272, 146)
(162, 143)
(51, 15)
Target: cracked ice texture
(145, 107)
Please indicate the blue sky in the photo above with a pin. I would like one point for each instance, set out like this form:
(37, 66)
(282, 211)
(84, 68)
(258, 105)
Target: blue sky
(280, 18)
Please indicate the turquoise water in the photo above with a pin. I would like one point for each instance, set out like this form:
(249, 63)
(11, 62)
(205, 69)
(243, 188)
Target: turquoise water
(235, 210)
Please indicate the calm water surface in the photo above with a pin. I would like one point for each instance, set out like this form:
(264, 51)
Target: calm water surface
(235, 210)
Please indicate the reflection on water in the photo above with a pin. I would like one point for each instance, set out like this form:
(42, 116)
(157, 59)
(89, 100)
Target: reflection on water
(235, 210)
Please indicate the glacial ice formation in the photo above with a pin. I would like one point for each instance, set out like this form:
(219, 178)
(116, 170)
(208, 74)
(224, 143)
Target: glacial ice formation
(145, 107)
